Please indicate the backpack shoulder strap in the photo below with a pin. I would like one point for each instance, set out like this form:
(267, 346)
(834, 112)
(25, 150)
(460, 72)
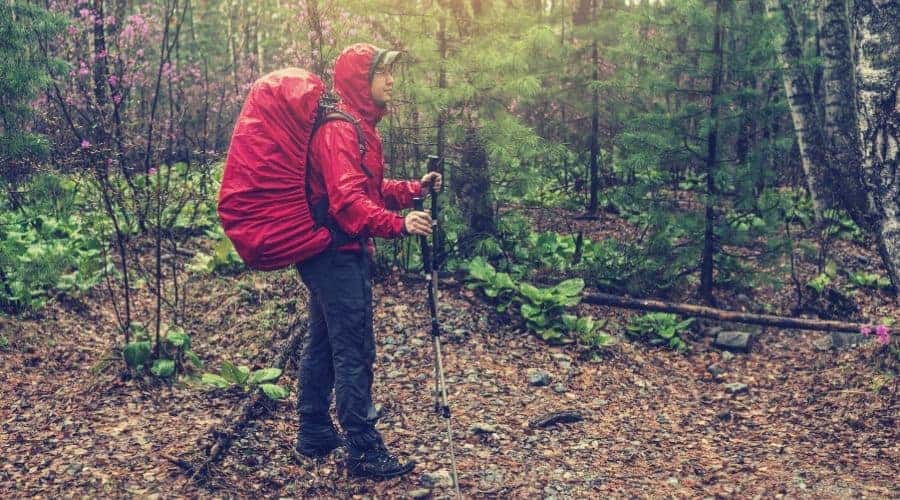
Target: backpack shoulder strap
(361, 140)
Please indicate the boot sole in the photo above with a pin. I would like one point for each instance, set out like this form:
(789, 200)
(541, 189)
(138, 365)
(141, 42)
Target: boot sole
(382, 477)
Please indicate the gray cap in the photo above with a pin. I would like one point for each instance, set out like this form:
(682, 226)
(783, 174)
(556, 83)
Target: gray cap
(382, 58)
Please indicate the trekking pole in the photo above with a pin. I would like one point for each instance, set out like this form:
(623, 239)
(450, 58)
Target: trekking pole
(441, 402)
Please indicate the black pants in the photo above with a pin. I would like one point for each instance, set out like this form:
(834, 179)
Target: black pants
(340, 348)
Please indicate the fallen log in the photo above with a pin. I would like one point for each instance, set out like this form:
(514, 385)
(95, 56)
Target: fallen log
(251, 409)
(721, 314)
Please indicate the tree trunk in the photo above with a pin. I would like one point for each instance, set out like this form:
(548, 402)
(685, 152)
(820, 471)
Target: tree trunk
(712, 139)
(840, 121)
(595, 120)
(878, 80)
(810, 137)
(471, 187)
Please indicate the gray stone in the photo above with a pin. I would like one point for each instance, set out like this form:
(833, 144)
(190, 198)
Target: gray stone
(727, 356)
(483, 428)
(712, 331)
(736, 388)
(74, 468)
(559, 388)
(420, 493)
(538, 378)
(733, 341)
(438, 478)
(845, 339)
(716, 370)
(389, 340)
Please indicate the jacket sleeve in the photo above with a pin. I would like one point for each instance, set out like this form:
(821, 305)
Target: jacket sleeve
(399, 194)
(335, 152)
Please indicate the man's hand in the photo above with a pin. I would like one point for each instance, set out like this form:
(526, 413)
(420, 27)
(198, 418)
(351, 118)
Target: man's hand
(432, 179)
(418, 223)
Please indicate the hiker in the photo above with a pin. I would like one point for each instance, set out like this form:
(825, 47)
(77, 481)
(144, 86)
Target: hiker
(348, 193)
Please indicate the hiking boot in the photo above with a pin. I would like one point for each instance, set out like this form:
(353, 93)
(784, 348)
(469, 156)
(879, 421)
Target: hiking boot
(368, 458)
(317, 440)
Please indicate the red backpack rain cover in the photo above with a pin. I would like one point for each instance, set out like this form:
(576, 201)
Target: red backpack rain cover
(262, 201)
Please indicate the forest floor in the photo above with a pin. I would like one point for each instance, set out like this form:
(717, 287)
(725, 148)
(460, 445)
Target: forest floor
(813, 422)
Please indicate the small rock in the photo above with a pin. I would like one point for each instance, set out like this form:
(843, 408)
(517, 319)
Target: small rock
(417, 342)
(673, 481)
(736, 388)
(420, 493)
(483, 428)
(389, 340)
(724, 414)
(395, 374)
(74, 468)
(712, 331)
(561, 357)
(727, 356)
(733, 341)
(715, 370)
(560, 388)
(438, 478)
(538, 378)
(844, 339)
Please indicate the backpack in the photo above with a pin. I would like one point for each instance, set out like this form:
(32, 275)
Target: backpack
(263, 203)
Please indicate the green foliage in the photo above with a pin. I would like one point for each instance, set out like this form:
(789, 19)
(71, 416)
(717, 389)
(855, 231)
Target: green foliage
(838, 224)
(47, 247)
(223, 259)
(862, 279)
(137, 354)
(240, 376)
(23, 74)
(660, 328)
(824, 279)
(174, 352)
(542, 309)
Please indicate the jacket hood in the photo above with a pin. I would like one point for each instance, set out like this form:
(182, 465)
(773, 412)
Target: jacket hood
(351, 81)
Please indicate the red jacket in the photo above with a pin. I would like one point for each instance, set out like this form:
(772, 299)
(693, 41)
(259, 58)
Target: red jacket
(360, 205)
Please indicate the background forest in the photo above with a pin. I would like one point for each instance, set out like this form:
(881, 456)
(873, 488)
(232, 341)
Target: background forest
(736, 154)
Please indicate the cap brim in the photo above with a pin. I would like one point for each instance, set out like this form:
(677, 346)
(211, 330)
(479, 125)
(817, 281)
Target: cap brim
(389, 58)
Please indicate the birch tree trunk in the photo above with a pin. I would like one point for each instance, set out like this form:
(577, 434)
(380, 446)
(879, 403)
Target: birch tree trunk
(878, 81)
(839, 89)
(807, 126)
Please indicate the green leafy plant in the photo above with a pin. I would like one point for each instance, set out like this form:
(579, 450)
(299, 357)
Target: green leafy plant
(863, 279)
(660, 328)
(174, 353)
(47, 247)
(240, 376)
(224, 258)
(542, 309)
(824, 279)
(498, 286)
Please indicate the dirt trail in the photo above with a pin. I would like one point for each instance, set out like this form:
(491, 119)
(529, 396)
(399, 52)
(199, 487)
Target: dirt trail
(812, 423)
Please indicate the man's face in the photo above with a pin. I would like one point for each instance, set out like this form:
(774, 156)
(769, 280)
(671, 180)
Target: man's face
(382, 86)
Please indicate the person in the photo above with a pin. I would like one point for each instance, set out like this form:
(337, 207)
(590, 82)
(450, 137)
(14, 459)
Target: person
(347, 189)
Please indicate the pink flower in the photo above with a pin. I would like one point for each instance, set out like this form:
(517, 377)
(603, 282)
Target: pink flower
(101, 54)
(865, 330)
(883, 334)
(151, 171)
(113, 80)
(72, 30)
(117, 98)
(85, 144)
